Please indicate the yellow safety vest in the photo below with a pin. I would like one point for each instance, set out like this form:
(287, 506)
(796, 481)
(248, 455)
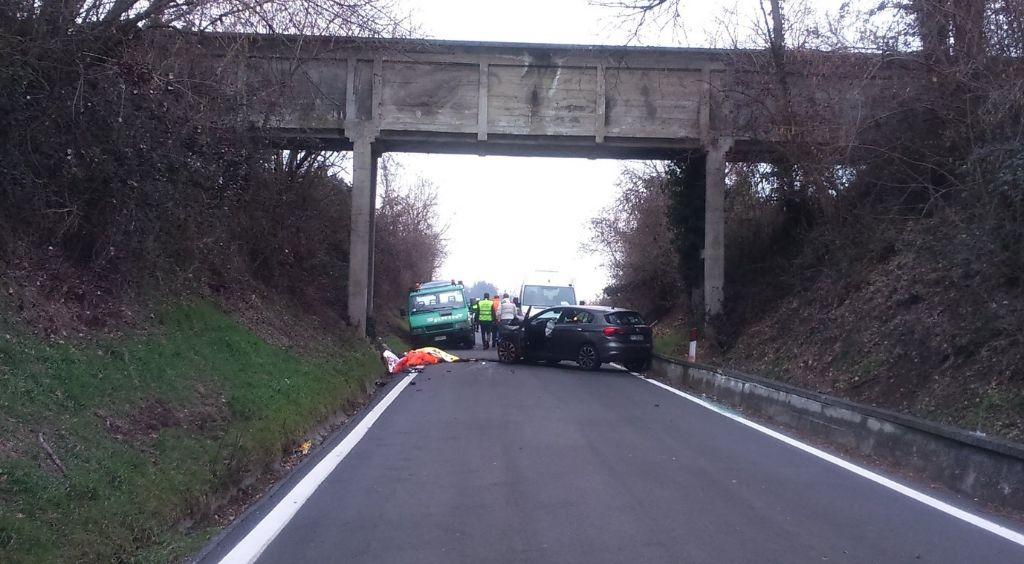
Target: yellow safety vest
(485, 311)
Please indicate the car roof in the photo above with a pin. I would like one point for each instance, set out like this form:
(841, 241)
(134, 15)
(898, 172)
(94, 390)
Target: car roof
(436, 284)
(604, 309)
(434, 289)
(592, 309)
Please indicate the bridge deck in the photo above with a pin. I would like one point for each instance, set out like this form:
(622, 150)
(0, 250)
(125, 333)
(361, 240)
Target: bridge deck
(531, 99)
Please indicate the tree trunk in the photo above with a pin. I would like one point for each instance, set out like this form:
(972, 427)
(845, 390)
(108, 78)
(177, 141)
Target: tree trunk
(969, 31)
(933, 23)
(778, 31)
(784, 167)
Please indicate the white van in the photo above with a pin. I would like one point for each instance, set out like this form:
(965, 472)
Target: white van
(544, 289)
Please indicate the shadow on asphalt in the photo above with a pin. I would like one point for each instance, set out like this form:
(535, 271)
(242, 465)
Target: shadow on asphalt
(479, 354)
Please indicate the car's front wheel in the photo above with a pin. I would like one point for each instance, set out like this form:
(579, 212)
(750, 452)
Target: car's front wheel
(587, 357)
(507, 351)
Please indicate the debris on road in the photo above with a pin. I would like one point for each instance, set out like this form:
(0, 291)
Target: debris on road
(417, 358)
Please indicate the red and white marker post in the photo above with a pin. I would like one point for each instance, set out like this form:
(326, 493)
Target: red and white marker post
(692, 355)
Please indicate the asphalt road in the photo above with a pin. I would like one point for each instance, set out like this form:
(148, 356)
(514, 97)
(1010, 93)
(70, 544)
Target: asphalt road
(483, 462)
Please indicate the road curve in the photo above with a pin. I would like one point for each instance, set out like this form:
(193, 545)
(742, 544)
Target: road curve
(483, 462)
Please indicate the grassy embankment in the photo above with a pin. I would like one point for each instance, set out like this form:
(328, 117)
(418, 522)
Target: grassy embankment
(151, 430)
(670, 341)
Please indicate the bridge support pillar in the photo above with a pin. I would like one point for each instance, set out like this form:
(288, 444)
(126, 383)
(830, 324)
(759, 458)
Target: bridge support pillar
(714, 226)
(360, 265)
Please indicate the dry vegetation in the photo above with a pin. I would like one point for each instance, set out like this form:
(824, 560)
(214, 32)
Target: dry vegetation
(127, 169)
(891, 271)
(171, 288)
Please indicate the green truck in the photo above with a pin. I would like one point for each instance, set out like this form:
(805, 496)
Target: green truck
(439, 315)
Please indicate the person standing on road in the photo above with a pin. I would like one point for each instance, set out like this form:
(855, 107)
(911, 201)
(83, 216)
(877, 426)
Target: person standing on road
(485, 316)
(473, 313)
(506, 312)
(496, 303)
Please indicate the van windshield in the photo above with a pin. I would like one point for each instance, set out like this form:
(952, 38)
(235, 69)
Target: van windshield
(546, 296)
(449, 299)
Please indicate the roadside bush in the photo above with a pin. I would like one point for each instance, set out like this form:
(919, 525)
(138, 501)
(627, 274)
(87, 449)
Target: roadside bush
(290, 227)
(634, 236)
(121, 174)
(409, 243)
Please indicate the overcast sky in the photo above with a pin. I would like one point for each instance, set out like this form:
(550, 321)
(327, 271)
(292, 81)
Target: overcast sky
(483, 200)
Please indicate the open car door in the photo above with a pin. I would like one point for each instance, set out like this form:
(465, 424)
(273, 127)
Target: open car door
(530, 339)
(512, 339)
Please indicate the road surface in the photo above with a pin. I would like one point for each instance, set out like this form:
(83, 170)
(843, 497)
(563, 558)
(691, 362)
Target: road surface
(484, 462)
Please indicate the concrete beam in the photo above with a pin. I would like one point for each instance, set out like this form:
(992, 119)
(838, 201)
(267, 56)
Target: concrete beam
(431, 90)
(360, 265)
(705, 107)
(370, 325)
(481, 112)
(601, 107)
(714, 226)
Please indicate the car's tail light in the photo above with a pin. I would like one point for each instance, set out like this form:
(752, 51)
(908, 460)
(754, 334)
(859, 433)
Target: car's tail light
(612, 331)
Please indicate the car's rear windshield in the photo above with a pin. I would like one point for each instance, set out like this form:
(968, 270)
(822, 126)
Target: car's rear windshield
(624, 318)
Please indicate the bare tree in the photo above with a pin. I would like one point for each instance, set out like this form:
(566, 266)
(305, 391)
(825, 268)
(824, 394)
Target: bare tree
(343, 17)
(640, 14)
(122, 151)
(633, 235)
(410, 243)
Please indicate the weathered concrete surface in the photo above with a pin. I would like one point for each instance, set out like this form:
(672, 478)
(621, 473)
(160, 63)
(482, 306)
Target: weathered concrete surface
(989, 470)
(532, 99)
(551, 100)
(714, 226)
(360, 264)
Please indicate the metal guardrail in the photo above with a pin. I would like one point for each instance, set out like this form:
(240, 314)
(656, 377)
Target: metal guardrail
(988, 469)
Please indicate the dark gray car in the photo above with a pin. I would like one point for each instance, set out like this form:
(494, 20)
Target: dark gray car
(588, 335)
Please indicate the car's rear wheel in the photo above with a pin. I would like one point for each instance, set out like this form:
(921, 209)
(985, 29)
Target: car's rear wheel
(637, 365)
(507, 351)
(587, 357)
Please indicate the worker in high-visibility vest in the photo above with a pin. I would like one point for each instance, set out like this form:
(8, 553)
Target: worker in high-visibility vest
(485, 316)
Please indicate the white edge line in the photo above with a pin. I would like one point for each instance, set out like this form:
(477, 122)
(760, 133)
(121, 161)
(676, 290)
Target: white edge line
(260, 537)
(928, 500)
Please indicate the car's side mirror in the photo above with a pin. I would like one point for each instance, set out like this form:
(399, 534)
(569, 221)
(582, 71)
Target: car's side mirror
(402, 312)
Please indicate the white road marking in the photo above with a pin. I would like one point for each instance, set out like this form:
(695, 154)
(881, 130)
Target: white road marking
(260, 537)
(928, 500)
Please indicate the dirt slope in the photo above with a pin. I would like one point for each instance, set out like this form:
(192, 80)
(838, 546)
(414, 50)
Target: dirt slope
(931, 329)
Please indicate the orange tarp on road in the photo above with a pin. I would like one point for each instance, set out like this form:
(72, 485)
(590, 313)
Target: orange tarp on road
(423, 357)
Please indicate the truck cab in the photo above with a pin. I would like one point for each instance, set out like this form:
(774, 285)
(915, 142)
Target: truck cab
(439, 315)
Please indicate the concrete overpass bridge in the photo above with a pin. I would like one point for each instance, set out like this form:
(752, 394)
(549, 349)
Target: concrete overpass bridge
(373, 96)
